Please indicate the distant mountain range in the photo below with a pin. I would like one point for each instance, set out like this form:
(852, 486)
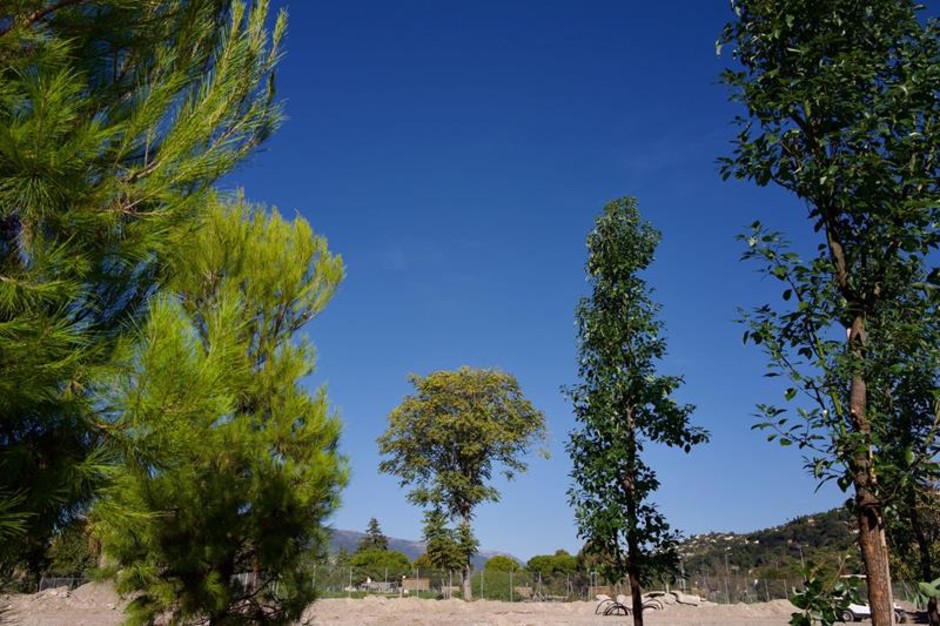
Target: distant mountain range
(349, 540)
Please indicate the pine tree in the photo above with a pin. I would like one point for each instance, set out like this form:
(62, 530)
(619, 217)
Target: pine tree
(116, 118)
(443, 549)
(231, 464)
(374, 539)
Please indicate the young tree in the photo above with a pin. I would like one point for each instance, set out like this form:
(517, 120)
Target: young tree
(622, 405)
(116, 118)
(443, 551)
(842, 111)
(231, 464)
(559, 563)
(501, 563)
(446, 439)
(374, 539)
(377, 564)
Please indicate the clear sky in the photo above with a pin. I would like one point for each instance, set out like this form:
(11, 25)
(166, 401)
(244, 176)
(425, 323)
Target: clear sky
(456, 154)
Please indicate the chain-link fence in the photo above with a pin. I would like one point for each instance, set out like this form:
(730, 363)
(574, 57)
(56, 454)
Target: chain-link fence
(525, 586)
(51, 582)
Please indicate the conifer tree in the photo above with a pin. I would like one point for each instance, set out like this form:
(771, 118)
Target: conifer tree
(374, 539)
(232, 464)
(116, 118)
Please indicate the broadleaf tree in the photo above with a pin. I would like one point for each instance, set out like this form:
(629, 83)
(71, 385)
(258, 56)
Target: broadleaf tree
(842, 111)
(232, 463)
(116, 118)
(447, 439)
(622, 405)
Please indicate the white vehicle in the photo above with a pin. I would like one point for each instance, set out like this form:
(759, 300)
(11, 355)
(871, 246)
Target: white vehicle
(858, 612)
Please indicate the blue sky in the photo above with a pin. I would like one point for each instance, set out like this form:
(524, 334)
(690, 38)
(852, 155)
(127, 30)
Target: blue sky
(456, 155)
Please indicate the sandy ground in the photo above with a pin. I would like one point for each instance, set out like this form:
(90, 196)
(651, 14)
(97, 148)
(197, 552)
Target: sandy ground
(411, 611)
(97, 604)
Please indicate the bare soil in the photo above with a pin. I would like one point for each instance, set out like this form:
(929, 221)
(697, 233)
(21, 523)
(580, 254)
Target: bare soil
(97, 604)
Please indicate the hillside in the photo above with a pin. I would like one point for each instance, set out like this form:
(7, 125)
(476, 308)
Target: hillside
(348, 540)
(775, 552)
(769, 553)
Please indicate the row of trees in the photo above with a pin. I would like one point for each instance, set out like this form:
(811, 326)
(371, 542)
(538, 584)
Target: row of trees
(150, 350)
(842, 109)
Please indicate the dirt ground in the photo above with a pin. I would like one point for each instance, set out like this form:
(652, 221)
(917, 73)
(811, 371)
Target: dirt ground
(414, 612)
(97, 604)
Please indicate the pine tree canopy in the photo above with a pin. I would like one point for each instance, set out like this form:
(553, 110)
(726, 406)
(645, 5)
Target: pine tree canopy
(232, 463)
(116, 119)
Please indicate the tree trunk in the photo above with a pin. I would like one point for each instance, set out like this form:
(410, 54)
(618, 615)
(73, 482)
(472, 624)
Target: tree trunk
(468, 555)
(933, 614)
(923, 547)
(871, 531)
(467, 587)
(636, 593)
(923, 544)
(871, 540)
(633, 548)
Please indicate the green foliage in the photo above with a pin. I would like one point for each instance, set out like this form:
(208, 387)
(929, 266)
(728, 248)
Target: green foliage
(231, 464)
(913, 530)
(377, 563)
(501, 563)
(116, 118)
(447, 439)
(73, 551)
(497, 584)
(824, 598)
(622, 404)
(842, 111)
(374, 539)
(778, 552)
(423, 563)
(443, 547)
(927, 590)
(559, 563)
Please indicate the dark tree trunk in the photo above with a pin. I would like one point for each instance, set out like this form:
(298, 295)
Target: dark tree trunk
(933, 614)
(636, 593)
(633, 548)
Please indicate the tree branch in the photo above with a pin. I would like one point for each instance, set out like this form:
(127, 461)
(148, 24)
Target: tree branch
(39, 14)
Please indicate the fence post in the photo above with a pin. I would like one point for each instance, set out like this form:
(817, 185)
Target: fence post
(510, 584)
(349, 588)
(481, 584)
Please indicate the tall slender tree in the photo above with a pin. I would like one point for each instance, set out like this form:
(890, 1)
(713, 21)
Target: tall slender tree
(842, 111)
(116, 118)
(231, 464)
(623, 405)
